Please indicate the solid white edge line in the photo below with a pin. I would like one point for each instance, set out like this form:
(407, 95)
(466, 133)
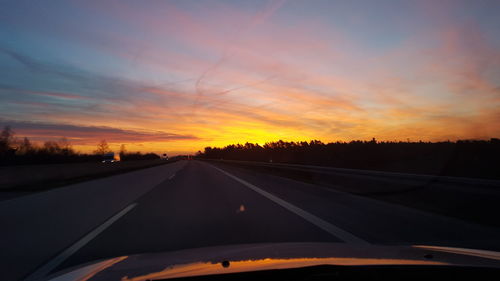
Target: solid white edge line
(326, 226)
(59, 259)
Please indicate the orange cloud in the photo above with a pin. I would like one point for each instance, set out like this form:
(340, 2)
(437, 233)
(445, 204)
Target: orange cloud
(227, 75)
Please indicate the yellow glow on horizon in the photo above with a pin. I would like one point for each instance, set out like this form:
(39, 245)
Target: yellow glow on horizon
(290, 79)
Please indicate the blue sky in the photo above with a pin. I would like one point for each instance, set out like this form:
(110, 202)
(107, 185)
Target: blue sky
(201, 73)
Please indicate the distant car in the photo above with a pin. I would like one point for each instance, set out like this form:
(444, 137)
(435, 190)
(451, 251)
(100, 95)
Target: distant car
(164, 156)
(110, 158)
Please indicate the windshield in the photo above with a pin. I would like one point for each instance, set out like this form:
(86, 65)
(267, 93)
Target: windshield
(133, 127)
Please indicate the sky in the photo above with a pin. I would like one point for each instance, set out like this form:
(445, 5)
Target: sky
(177, 76)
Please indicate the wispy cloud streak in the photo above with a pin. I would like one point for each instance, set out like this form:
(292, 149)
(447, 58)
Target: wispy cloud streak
(254, 70)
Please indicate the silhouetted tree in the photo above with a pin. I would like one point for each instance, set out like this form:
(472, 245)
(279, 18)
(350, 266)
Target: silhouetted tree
(102, 148)
(123, 151)
(25, 147)
(15, 151)
(65, 146)
(51, 148)
(6, 139)
(475, 158)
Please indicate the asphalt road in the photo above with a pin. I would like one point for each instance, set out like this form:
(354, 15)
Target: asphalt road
(190, 204)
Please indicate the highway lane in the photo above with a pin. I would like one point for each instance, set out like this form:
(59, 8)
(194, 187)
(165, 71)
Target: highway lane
(34, 228)
(193, 204)
(465, 198)
(201, 206)
(375, 221)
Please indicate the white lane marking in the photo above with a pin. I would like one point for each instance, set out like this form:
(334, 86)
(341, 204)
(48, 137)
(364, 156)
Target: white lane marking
(59, 259)
(172, 176)
(326, 226)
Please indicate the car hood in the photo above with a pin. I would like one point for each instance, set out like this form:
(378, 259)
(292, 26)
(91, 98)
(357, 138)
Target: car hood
(254, 257)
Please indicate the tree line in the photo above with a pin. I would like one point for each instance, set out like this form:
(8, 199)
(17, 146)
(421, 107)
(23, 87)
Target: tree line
(17, 151)
(470, 158)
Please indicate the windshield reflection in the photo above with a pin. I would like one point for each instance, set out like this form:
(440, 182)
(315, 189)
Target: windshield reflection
(206, 268)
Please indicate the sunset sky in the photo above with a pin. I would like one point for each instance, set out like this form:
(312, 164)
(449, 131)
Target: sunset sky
(176, 76)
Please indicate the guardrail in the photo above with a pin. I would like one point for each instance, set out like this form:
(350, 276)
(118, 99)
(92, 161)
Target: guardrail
(474, 200)
(370, 174)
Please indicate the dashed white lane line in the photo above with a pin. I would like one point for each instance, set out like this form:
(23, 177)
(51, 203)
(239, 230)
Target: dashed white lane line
(59, 259)
(326, 226)
(172, 176)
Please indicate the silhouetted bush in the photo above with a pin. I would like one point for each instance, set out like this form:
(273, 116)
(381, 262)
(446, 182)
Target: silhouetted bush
(138, 156)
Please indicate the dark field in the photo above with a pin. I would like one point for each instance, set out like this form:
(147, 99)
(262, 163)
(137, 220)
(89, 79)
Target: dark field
(28, 178)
